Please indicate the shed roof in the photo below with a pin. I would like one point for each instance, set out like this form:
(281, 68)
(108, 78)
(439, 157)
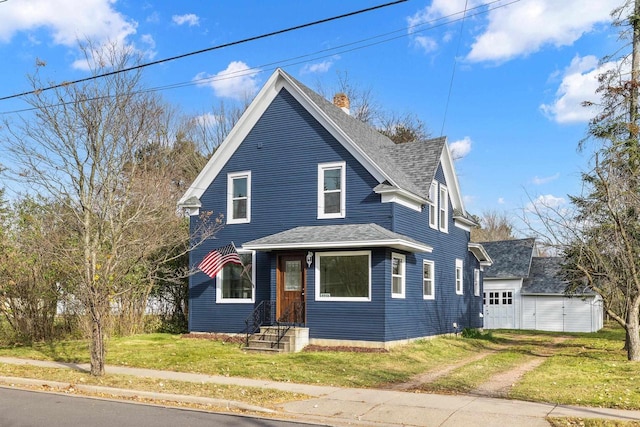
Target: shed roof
(544, 278)
(511, 258)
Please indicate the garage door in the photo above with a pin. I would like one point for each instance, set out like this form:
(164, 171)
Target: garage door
(499, 310)
(560, 314)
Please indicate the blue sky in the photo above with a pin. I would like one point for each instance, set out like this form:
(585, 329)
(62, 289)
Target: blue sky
(504, 84)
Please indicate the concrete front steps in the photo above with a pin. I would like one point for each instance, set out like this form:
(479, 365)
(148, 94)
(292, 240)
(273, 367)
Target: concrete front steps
(265, 341)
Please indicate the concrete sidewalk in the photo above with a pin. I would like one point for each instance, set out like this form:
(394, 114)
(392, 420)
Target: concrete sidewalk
(351, 406)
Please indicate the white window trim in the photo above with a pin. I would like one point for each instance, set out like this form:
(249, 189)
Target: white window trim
(343, 189)
(443, 216)
(459, 282)
(432, 267)
(230, 178)
(433, 206)
(402, 275)
(219, 297)
(317, 276)
(476, 282)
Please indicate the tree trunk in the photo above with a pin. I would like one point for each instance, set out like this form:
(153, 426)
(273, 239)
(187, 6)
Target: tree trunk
(97, 346)
(633, 336)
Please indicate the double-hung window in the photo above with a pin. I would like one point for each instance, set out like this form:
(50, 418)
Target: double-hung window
(239, 197)
(397, 275)
(476, 282)
(331, 190)
(459, 276)
(235, 281)
(343, 276)
(433, 206)
(428, 280)
(444, 209)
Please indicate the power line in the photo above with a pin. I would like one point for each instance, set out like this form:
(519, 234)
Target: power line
(209, 49)
(341, 49)
(453, 72)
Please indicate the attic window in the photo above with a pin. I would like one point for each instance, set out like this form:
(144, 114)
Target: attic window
(239, 197)
(433, 206)
(331, 190)
(444, 209)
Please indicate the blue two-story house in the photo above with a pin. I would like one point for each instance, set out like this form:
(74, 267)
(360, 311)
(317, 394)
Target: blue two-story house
(341, 231)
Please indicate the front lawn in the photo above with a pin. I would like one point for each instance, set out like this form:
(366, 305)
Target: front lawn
(581, 369)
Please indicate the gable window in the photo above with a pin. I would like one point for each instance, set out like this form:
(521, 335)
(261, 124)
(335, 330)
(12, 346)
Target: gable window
(343, 276)
(331, 190)
(428, 280)
(476, 282)
(444, 209)
(397, 275)
(433, 206)
(235, 281)
(459, 271)
(239, 197)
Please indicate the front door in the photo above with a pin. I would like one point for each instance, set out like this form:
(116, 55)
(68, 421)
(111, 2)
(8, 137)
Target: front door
(291, 285)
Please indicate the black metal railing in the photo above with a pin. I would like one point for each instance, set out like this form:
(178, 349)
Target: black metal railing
(264, 313)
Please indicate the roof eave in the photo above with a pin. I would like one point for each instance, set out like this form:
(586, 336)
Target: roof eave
(480, 253)
(399, 244)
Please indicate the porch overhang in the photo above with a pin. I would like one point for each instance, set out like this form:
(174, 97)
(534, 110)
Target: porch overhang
(350, 236)
(481, 254)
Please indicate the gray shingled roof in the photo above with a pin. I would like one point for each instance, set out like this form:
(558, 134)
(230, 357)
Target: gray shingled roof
(411, 165)
(511, 258)
(544, 278)
(336, 236)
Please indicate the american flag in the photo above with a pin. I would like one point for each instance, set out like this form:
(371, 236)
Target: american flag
(217, 258)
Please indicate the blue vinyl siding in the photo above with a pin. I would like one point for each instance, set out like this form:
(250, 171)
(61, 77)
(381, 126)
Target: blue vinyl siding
(282, 152)
(363, 321)
(413, 316)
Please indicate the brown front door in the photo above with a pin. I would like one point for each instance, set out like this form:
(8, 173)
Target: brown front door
(291, 288)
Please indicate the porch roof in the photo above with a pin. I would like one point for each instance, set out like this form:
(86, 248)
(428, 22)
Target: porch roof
(336, 237)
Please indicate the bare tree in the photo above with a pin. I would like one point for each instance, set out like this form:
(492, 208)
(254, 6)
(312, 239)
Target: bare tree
(81, 148)
(600, 235)
(400, 128)
(494, 226)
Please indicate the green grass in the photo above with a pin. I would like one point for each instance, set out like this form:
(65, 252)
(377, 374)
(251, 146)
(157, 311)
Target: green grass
(256, 396)
(581, 369)
(589, 370)
(175, 353)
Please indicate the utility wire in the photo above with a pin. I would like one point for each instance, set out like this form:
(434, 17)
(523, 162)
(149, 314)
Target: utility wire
(453, 72)
(325, 53)
(209, 49)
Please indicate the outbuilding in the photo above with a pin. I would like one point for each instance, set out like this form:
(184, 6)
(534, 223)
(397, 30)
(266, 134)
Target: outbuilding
(525, 291)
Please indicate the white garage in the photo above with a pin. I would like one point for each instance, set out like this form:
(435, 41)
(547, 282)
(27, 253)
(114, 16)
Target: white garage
(523, 291)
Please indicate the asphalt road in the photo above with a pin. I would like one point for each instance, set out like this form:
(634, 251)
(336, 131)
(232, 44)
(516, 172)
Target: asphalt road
(20, 408)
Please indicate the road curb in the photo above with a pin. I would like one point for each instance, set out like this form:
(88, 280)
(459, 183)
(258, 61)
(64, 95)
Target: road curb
(63, 386)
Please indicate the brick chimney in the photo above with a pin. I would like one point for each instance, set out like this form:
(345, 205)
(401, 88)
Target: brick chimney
(341, 100)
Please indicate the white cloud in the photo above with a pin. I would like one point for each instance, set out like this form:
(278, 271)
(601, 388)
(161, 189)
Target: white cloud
(526, 27)
(319, 67)
(150, 42)
(208, 119)
(190, 19)
(460, 148)
(501, 201)
(518, 29)
(67, 20)
(579, 84)
(431, 15)
(547, 201)
(237, 81)
(545, 180)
